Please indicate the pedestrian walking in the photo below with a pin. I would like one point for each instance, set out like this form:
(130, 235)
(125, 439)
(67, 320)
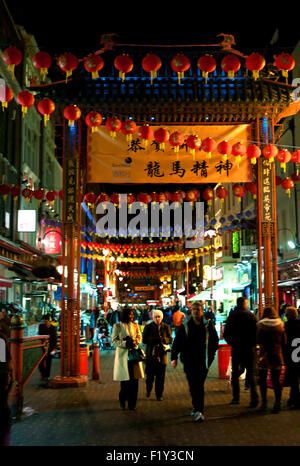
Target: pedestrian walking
(292, 329)
(271, 338)
(5, 386)
(178, 317)
(240, 334)
(197, 342)
(157, 337)
(46, 328)
(127, 336)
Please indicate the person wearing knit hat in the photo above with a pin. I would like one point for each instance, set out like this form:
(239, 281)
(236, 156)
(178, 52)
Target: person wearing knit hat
(271, 338)
(292, 328)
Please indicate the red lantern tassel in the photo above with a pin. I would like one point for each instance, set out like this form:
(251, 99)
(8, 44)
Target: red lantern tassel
(95, 74)
(12, 69)
(238, 159)
(44, 73)
(283, 165)
(205, 75)
(225, 157)
(253, 160)
(4, 105)
(24, 110)
(255, 74)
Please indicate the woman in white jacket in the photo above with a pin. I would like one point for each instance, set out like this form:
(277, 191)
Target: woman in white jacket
(127, 335)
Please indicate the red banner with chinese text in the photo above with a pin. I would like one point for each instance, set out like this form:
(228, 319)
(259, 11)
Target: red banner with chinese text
(114, 160)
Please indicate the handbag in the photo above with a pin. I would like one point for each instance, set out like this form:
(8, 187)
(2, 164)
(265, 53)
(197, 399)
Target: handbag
(136, 355)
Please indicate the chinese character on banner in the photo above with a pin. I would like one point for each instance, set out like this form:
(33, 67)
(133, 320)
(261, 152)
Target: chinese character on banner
(200, 167)
(153, 169)
(177, 170)
(52, 241)
(135, 145)
(226, 166)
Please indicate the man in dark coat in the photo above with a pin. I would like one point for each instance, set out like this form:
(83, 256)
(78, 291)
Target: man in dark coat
(240, 334)
(197, 342)
(46, 328)
(157, 337)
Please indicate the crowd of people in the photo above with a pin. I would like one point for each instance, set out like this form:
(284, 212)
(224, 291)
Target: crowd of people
(262, 348)
(258, 347)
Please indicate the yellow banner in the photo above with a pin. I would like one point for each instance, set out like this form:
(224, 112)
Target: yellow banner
(114, 160)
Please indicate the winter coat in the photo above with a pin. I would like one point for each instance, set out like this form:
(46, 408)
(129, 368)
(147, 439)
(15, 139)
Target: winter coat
(240, 330)
(120, 331)
(183, 344)
(271, 338)
(292, 329)
(151, 338)
(52, 332)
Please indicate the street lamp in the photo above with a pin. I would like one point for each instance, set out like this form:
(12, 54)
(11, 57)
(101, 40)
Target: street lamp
(187, 259)
(211, 233)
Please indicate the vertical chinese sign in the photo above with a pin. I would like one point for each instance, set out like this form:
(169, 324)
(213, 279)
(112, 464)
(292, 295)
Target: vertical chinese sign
(267, 251)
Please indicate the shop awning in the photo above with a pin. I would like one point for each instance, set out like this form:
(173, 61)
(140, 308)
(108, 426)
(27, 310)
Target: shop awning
(5, 283)
(217, 294)
(289, 283)
(240, 287)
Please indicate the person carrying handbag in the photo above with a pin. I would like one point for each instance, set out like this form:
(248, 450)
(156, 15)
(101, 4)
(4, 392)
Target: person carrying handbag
(126, 336)
(157, 337)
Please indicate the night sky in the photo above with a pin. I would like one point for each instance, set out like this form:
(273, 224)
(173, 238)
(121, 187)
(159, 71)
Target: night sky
(70, 26)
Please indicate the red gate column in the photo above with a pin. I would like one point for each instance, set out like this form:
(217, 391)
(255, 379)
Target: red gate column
(267, 230)
(70, 304)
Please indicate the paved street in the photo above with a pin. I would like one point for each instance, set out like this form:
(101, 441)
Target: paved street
(91, 415)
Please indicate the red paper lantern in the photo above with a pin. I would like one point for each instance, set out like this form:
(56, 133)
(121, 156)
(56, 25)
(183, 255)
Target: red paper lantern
(130, 199)
(161, 136)
(208, 145)
(50, 196)
(296, 156)
(115, 199)
(114, 125)
(128, 128)
(15, 191)
(208, 195)
(194, 143)
(93, 64)
(283, 156)
(151, 64)
(91, 199)
(285, 63)
(4, 190)
(144, 197)
(230, 64)
(39, 195)
(238, 150)
(180, 63)
(255, 63)
(190, 196)
(252, 188)
(253, 153)
(176, 197)
(27, 194)
(12, 57)
(93, 120)
(176, 140)
(238, 191)
(6, 95)
(145, 132)
(182, 193)
(103, 198)
(124, 64)
(26, 99)
(46, 107)
(225, 149)
(270, 151)
(207, 64)
(42, 61)
(287, 184)
(72, 113)
(221, 193)
(158, 197)
(197, 193)
(67, 63)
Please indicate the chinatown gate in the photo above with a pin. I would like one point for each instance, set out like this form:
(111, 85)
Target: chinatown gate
(221, 107)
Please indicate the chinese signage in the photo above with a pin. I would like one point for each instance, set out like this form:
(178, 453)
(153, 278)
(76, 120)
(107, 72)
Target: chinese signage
(217, 273)
(266, 191)
(26, 221)
(144, 288)
(118, 161)
(52, 241)
(70, 192)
